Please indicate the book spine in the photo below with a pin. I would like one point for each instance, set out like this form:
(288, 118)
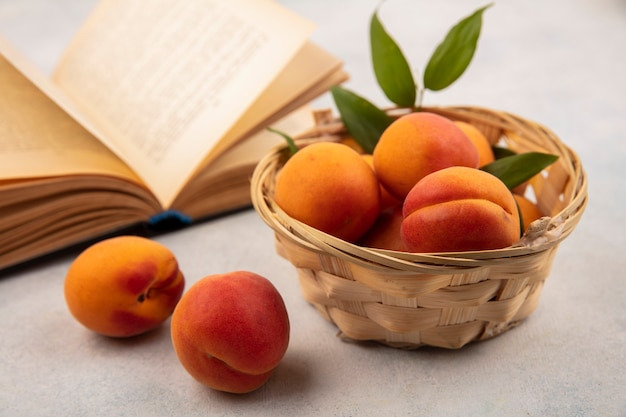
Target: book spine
(169, 216)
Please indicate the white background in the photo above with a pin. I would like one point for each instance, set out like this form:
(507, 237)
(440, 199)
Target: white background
(558, 62)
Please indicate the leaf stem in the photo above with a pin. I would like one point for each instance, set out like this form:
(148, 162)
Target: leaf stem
(290, 142)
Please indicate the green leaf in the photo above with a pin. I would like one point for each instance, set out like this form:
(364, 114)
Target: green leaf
(454, 54)
(291, 145)
(515, 169)
(391, 67)
(521, 219)
(500, 152)
(363, 120)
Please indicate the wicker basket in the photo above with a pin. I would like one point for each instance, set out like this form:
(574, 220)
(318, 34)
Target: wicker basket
(408, 300)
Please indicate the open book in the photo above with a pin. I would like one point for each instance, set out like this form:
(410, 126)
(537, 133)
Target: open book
(155, 109)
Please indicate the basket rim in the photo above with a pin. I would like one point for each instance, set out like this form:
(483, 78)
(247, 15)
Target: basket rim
(542, 235)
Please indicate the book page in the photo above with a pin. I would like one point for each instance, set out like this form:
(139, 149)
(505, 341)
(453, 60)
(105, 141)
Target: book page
(39, 139)
(165, 80)
(229, 177)
(312, 72)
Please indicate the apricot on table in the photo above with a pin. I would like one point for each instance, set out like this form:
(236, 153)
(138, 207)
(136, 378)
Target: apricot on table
(459, 209)
(230, 331)
(416, 144)
(330, 187)
(123, 286)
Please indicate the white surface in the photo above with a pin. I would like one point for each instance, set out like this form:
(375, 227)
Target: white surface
(558, 62)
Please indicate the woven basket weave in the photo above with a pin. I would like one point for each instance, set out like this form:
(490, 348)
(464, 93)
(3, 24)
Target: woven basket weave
(408, 300)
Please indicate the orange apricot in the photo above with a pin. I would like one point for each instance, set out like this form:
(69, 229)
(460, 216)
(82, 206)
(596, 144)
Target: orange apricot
(529, 212)
(330, 187)
(387, 200)
(352, 143)
(123, 286)
(459, 209)
(385, 233)
(485, 153)
(417, 144)
(231, 330)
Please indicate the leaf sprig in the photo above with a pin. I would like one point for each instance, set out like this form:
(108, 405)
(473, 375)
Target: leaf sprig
(454, 54)
(394, 76)
(365, 121)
